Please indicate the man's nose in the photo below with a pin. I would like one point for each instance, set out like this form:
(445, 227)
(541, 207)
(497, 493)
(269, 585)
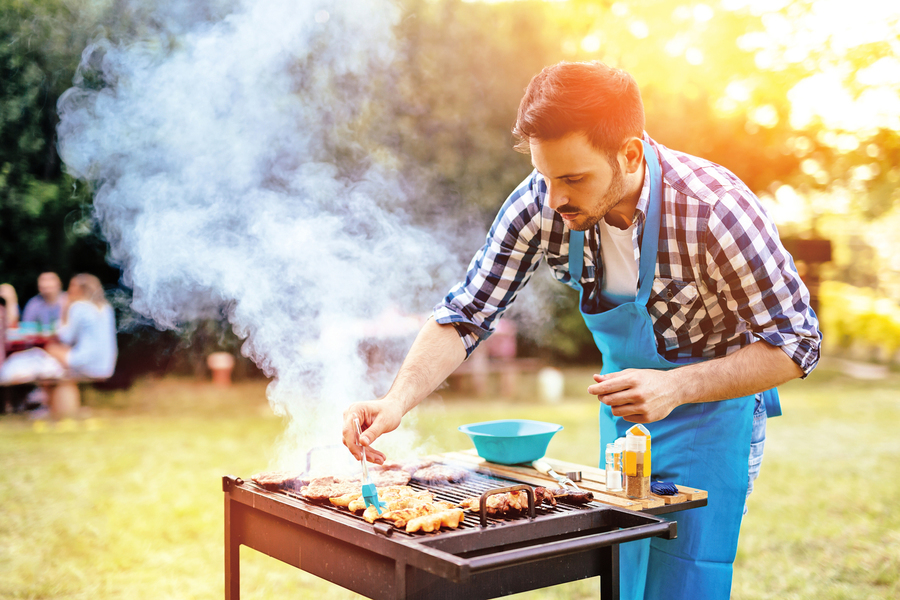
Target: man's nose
(555, 196)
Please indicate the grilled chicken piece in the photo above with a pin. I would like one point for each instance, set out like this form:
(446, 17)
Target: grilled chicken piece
(389, 495)
(345, 500)
(400, 516)
(433, 522)
(541, 495)
(499, 504)
(402, 511)
(395, 500)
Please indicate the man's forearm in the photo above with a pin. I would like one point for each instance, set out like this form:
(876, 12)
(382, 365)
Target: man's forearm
(436, 353)
(752, 369)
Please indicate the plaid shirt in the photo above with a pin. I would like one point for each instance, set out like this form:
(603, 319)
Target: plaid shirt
(723, 278)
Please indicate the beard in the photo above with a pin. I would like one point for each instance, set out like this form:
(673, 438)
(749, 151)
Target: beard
(610, 198)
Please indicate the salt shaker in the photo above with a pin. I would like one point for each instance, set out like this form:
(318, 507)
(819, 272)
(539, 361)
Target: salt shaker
(614, 466)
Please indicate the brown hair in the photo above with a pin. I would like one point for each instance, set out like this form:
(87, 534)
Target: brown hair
(91, 289)
(590, 97)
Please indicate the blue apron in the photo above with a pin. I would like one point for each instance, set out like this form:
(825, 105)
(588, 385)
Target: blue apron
(703, 446)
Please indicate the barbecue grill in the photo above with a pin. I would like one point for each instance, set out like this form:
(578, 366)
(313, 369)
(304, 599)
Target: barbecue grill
(485, 557)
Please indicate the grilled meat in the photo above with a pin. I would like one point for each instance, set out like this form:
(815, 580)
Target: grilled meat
(542, 495)
(404, 498)
(428, 523)
(571, 496)
(345, 500)
(499, 504)
(440, 474)
(389, 478)
(277, 480)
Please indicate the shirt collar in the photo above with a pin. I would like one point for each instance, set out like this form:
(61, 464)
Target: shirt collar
(644, 201)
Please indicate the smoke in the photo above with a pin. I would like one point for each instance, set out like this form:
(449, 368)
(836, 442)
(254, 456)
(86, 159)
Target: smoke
(232, 176)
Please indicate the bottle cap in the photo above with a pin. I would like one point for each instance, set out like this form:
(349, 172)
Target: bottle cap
(636, 443)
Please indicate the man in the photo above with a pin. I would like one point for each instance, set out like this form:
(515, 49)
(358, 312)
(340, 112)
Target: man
(46, 307)
(695, 305)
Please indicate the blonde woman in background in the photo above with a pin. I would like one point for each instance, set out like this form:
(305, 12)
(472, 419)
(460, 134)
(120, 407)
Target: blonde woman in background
(88, 331)
(88, 343)
(8, 293)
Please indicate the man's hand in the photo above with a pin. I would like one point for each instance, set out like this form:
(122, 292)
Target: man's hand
(375, 418)
(638, 395)
(435, 354)
(648, 395)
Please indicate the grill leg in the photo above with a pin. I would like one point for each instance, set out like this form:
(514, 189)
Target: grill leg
(609, 572)
(232, 557)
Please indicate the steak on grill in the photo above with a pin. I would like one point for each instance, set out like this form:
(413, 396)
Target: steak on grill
(440, 474)
(277, 480)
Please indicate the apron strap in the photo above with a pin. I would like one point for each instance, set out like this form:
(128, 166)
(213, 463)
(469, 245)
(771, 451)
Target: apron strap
(650, 241)
(576, 256)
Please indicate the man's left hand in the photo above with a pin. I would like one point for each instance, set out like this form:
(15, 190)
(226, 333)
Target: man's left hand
(638, 395)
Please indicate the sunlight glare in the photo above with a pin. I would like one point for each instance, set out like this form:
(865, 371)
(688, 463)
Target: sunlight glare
(590, 43)
(693, 56)
(703, 13)
(638, 29)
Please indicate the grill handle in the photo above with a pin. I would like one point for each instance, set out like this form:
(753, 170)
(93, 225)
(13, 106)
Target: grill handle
(663, 529)
(482, 503)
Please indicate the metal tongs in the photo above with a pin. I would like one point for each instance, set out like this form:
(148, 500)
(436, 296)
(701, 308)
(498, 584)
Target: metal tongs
(369, 493)
(544, 467)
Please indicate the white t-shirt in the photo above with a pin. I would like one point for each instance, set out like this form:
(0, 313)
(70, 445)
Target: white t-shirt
(620, 269)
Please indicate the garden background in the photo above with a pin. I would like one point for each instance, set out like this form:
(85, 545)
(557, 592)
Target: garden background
(801, 99)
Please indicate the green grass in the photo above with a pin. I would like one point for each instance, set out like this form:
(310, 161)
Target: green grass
(128, 504)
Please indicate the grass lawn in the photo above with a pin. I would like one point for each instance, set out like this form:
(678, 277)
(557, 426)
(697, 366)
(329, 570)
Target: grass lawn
(128, 504)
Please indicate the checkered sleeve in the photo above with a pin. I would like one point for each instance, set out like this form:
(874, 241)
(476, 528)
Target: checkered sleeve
(498, 270)
(757, 280)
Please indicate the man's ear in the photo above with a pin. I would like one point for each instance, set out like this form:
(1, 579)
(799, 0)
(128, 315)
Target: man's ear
(632, 155)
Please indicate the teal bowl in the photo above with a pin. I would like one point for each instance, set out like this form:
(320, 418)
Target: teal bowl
(511, 441)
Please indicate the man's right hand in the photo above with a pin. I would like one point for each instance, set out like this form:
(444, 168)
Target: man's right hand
(435, 354)
(375, 418)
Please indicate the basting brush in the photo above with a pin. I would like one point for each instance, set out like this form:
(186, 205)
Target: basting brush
(369, 493)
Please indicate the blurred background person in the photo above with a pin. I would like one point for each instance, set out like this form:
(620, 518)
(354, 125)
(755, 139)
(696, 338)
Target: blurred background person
(46, 307)
(8, 293)
(87, 343)
(87, 333)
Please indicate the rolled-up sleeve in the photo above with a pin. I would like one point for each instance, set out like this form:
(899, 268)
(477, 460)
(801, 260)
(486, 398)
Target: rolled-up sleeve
(498, 271)
(757, 279)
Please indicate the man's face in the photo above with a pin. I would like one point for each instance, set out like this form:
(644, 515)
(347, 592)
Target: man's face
(581, 184)
(49, 286)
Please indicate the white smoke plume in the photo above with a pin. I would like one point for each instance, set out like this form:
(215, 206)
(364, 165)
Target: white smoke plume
(232, 176)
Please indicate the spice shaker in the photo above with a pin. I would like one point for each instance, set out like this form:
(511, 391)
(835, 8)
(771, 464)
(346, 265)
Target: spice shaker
(637, 466)
(614, 465)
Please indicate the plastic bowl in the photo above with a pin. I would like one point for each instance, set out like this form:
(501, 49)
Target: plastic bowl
(511, 441)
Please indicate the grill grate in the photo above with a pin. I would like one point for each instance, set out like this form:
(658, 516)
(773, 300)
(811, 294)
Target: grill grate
(475, 484)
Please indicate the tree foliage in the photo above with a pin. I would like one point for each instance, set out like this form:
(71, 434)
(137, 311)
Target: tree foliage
(445, 111)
